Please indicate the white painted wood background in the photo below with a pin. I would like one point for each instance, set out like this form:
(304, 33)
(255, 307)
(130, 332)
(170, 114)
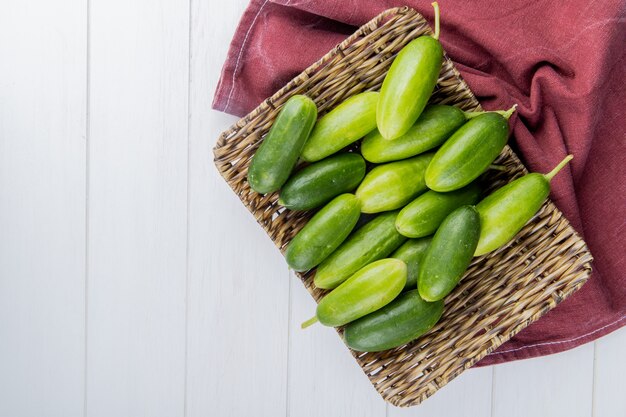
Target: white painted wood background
(134, 283)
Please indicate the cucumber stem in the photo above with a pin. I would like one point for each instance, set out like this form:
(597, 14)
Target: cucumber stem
(557, 168)
(497, 167)
(436, 7)
(309, 322)
(507, 114)
(504, 113)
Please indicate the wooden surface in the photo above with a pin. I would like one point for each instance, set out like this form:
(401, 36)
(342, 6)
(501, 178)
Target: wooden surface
(132, 280)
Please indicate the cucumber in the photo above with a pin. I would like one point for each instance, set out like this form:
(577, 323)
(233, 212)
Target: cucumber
(318, 183)
(374, 241)
(279, 152)
(504, 212)
(433, 127)
(449, 253)
(391, 186)
(411, 252)
(422, 216)
(349, 121)
(404, 319)
(469, 152)
(369, 289)
(326, 230)
(409, 84)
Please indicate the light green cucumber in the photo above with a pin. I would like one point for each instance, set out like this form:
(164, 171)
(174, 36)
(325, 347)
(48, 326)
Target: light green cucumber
(468, 152)
(504, 212)
(373, 241)
(326, 230)
(346, 123)
(409, 84)
(369, 289)
(391, 186)
(433, 127)
(422, 216)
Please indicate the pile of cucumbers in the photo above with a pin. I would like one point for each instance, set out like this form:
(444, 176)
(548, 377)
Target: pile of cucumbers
(388, 278)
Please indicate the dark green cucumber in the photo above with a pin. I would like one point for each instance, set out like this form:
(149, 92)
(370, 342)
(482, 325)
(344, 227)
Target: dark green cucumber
(409, 84)
(433, 127)
(404, 319)
(279, 152)
(346, 123)
(317, 183)
(369, 289)
(411, 252)
(326, 230)
(391, 186)
(422, 216)
(375, 240)
(449, 253)
(504, 212)
(469, 152)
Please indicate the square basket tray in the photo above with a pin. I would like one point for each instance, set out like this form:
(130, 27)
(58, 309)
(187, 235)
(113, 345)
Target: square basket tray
(501, 293)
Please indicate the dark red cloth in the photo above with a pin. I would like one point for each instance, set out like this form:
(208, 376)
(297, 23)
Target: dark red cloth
(563, 63)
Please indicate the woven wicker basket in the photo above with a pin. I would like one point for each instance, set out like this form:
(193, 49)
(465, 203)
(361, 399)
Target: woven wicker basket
(502, 292)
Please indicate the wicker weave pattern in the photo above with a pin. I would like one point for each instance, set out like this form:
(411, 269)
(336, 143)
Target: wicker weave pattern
(502, 292)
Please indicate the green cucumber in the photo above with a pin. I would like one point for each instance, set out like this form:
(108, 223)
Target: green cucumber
(433, 127)
(469, 152)
(326, 230)
(391, 186)
(409, 83)
(504, 212)
(346, 123)
(404, 319)
(279, 152)
(422, 216)
(318, 183)
(373, 241)
(369, 289)
(449, 253)
(411, 252)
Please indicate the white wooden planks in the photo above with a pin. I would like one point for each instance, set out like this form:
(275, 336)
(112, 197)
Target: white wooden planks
(190, 310)
(609, 370)
(556, 385)
(238, 281)
(42, 207)
(137, 208)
